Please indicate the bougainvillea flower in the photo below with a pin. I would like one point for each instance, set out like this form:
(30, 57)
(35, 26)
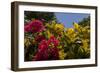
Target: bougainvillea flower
(37, 57)
(42, 53)
(43, 45)
(53, 41)
(54, 53)
(45, 52)
(27, 28)
(39, 38)
(34, 26)
(37, 26)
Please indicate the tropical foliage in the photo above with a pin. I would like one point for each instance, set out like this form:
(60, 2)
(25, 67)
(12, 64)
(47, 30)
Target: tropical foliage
(49, 40)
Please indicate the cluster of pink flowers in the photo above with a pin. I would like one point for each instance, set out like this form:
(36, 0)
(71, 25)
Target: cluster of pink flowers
(47, 49)
(34, 26)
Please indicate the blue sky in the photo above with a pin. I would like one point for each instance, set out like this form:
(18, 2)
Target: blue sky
(68, 18)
